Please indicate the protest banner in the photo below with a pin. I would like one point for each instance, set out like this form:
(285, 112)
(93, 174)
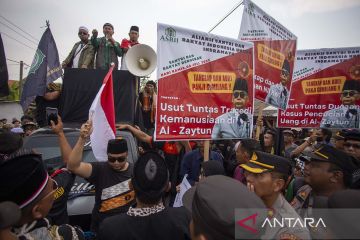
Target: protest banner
(274, 51)
(198, 74)
(326, 90)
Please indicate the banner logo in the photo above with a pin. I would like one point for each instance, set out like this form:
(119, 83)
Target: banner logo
(242, 224)
(170, 35)
(38, 60)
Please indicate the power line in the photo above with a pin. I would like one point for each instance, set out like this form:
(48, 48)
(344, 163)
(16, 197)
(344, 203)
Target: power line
(17, 61)
(19, 28)
(18, 33)
(17, 40)
(228, 14)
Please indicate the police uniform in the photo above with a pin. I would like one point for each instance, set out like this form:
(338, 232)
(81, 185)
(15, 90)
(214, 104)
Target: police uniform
(305, 201)
(232, 125)
(277, 96)
(342, 117)
(261, 162)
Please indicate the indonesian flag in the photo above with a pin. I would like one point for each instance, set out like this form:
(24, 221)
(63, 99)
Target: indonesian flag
(102, 114)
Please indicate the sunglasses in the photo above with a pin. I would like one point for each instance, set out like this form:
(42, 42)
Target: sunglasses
(82, 33)
(354, 145)
(53, 192)
(349, 93)
(240, 94)
(114, 159)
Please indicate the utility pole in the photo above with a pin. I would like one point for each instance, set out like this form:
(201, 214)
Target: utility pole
(21, 78)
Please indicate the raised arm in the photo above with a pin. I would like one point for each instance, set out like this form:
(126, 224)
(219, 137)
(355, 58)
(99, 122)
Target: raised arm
(65, 147)
(75, 163)
(140, 135)
(296, 152)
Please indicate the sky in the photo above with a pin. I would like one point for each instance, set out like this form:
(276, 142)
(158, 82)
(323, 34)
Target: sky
(316, 23)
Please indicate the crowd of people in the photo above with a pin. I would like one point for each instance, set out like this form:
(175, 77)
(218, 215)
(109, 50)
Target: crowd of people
(286, 172)
(289, 172)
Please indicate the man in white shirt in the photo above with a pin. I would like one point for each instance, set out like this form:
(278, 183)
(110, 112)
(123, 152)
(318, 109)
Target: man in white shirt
(82, 54)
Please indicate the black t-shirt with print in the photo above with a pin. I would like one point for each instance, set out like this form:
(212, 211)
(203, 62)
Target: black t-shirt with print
(112, 193)
(58, 214)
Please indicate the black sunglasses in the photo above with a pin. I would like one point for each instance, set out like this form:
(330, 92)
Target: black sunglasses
(349, 93)
(354, 145)
(240, 94)
(82, 33)
(114, 159)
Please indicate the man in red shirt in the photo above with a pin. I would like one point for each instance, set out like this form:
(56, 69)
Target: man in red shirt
(128, 43)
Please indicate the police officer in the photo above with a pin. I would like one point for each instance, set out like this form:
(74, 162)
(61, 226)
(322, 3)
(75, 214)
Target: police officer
(267, 175)
(327, 170)
(348, 114)
(278, 94)
(237, 122)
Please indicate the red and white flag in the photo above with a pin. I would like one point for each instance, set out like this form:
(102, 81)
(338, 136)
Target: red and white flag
(102, 114)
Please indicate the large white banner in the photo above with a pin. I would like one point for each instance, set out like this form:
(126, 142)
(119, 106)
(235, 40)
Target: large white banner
(274, 53)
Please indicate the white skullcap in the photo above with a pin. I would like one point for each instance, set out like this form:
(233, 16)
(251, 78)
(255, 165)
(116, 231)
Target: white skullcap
(84, 28)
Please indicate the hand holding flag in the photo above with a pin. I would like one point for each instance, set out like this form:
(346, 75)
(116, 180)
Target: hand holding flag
(102, 118)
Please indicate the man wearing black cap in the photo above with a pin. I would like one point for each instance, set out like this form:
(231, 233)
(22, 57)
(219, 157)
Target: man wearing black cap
(107, 49)
(267, 175)
(339, 139)
(327, 170)
(128, 43)
(278, 94)
(149, 218)
(236, 123)
(25, 181)
(111, 179)
(348, 114)
(213, 203)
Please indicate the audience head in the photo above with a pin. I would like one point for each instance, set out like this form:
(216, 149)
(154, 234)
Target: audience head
(25, 181)
(134, 33)
(212, 203)
(151, 178)
(245, 149)
(117, 151)
(327, 169)
(267, 174)
(210, 168)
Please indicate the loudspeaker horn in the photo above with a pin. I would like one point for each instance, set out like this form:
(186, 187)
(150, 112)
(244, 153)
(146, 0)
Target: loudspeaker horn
(141, 60)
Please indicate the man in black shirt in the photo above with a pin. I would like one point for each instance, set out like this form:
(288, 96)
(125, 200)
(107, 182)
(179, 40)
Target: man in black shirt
(111, 179)
(149, 218)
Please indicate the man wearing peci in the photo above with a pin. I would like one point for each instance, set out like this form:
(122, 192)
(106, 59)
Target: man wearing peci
(348, 114)
(278, 94)
(237, 122)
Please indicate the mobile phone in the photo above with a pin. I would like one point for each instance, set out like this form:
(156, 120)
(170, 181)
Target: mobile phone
(51, 115)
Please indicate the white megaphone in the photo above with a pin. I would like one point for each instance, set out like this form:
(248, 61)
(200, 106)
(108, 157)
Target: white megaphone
(141, 60)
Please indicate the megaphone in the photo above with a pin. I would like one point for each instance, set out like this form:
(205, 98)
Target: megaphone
(141, 60)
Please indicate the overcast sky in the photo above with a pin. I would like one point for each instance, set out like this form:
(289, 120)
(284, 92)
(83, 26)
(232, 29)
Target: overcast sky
(316, 23)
